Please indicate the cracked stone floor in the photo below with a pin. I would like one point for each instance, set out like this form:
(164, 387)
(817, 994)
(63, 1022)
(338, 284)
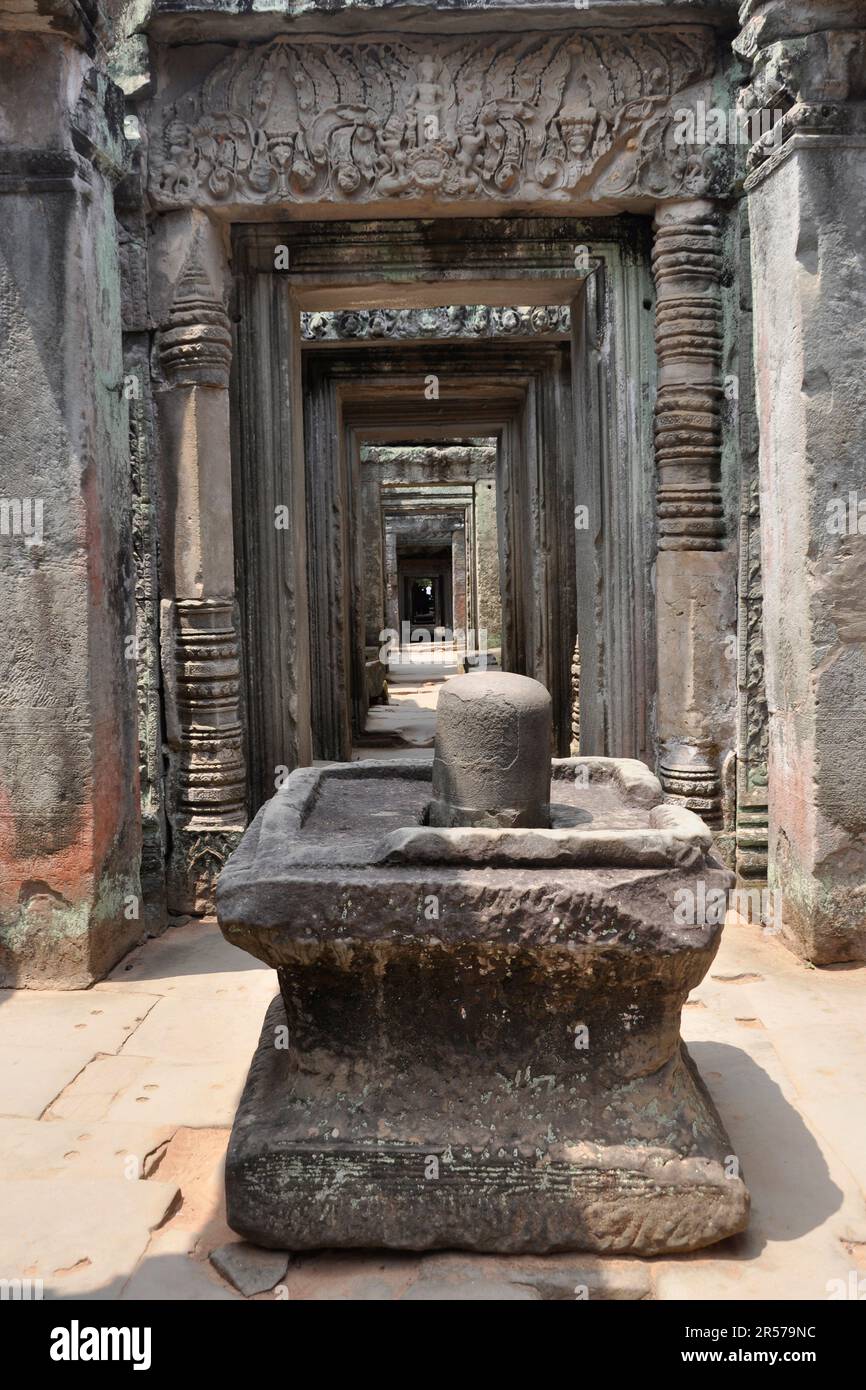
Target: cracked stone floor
(116, 1103)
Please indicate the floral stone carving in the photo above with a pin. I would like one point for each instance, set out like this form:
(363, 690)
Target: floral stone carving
(560, 116)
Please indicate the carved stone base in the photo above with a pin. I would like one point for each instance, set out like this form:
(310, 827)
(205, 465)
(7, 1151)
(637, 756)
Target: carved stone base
(693, 783)
(297, 1181)
(752, 844)
(198, 856)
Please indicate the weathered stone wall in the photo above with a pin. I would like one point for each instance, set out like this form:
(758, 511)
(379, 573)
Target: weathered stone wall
(806, 199)
(811, 262)
(70, 900)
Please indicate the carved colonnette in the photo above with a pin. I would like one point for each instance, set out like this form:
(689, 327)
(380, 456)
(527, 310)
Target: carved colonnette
(206, 791)
(694, 574)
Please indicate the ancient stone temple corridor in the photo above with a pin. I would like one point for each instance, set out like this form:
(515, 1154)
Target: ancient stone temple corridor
(433, 664)
(405, 727)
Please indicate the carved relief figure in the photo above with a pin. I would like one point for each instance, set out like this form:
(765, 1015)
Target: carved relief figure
(508, 119)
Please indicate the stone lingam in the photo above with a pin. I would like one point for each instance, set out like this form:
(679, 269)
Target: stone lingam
(482, 966)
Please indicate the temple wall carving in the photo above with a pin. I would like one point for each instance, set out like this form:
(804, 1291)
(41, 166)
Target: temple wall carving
(448, 321)
(545, 118)
(206, 787)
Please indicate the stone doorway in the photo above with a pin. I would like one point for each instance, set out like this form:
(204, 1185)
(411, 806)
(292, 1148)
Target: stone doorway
(430, 537)
(385, 357)
(426, 589)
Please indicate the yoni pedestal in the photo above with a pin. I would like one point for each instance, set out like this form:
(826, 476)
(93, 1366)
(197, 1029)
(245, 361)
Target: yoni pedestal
(476, 1042)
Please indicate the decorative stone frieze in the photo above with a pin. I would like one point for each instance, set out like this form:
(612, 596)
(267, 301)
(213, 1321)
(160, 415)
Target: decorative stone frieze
(542, 117)
(752, 773)
(449, 321)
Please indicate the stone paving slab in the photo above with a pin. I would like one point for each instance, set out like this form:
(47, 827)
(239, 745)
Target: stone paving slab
(223, 1030)
(64, 1149)
(171, 1092)
(781, 1048)
(31, 1077)
(83, 1238)
(192, 960)
(170, 1273)
(443, 1276)
(75, 1019)
(48, 1037)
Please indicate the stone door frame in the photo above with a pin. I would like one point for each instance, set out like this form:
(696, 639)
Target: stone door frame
(529, 260)
(505, 391)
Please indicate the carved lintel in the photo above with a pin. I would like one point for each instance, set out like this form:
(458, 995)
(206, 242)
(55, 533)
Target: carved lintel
(449, 321)
(551, 117)
(687, 266)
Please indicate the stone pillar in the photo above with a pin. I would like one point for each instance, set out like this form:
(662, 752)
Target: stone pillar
(750, 813)
(489, 605)
(70, 902)
(458, 582)
(807, 193)
(392, 582)
(200, 649)
(694, 571)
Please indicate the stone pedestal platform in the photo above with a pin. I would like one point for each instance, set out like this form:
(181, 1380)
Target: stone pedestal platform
(476, 1044)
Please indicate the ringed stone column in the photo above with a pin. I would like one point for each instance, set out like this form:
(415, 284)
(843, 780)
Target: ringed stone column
(807, 193)
(694, 575)
(200, 648)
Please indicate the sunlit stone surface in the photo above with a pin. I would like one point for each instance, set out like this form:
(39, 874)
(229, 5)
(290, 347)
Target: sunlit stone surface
(476, 1042)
